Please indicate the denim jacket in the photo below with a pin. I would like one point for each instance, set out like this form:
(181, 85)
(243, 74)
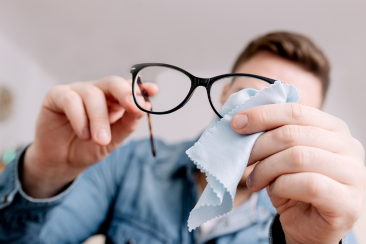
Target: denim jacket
(131, 197)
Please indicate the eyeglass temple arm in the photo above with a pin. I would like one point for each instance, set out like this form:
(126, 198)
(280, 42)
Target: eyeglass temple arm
(146, 98)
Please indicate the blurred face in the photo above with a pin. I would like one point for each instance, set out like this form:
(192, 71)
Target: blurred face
(271, 66)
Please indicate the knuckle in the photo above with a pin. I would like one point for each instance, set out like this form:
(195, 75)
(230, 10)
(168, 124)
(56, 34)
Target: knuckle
(70, 98)
(118, 84)
(263, 115)
(314, 187)
(91, 91)
(299, 157)
(114, 84)
(280, 184)
(295, 111)
(259, 170)
(57, 89)
(288, 134)
(53, 93)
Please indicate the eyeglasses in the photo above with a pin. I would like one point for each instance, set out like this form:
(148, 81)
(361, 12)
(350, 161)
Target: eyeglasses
(176, 87)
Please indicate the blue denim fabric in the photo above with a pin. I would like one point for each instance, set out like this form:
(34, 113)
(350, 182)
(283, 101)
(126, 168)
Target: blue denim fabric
(130, 197)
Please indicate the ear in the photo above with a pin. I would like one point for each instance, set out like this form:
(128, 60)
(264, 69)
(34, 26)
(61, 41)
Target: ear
(224, 94)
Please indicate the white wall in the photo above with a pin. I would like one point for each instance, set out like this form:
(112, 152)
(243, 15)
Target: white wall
(88, 39)
(28, 82)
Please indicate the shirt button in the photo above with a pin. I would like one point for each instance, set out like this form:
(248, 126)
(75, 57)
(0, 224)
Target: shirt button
(226, 223)
(4, 199)
(132, 241)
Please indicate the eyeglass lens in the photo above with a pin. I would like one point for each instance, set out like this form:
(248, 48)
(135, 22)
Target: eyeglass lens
(235, 84)
(173, 86)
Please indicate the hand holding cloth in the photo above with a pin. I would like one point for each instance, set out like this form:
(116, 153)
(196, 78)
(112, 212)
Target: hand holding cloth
(222, 154)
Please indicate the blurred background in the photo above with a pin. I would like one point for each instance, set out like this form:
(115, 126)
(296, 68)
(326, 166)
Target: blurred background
(45, 43)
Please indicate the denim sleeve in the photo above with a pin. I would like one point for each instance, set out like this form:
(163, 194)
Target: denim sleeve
(69, 217)
(277, 236)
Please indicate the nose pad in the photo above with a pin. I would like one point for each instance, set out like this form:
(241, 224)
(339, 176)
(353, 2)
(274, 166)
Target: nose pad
(191, 95)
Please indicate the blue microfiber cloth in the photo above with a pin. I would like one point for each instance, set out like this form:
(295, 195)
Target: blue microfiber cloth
(222, 154)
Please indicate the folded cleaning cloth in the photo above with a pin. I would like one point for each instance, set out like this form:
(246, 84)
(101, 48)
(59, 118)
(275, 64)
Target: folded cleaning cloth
(222, 154)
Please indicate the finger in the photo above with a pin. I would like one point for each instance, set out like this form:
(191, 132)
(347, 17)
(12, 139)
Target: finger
(65, 100)
(123, 128)
(97, 111)
(268, 117)
(115, 114)
(121, 90)
(300, 159)
(151, 88)
(287, 136)
(328, 196)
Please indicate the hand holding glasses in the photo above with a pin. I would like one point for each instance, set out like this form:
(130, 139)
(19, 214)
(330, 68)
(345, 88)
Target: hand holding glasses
(169, 79)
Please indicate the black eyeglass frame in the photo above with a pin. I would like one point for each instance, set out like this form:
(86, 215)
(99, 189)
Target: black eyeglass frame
(195, 82)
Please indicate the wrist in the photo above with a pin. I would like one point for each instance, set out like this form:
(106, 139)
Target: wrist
(40, 179)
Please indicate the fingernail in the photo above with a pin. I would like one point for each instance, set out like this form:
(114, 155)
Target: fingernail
(102, 136)
(240, 121)
(250, 180)
(85, 133)
(271, 186)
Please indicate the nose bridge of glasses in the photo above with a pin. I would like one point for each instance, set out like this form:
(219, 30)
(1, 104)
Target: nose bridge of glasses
(202, 81)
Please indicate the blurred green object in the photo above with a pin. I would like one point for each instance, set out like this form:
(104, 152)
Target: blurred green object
(8, 156)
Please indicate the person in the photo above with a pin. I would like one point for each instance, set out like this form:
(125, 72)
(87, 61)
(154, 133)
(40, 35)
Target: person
(305, 183)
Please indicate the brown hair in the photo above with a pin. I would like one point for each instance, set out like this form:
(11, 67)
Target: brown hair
(293, 47)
